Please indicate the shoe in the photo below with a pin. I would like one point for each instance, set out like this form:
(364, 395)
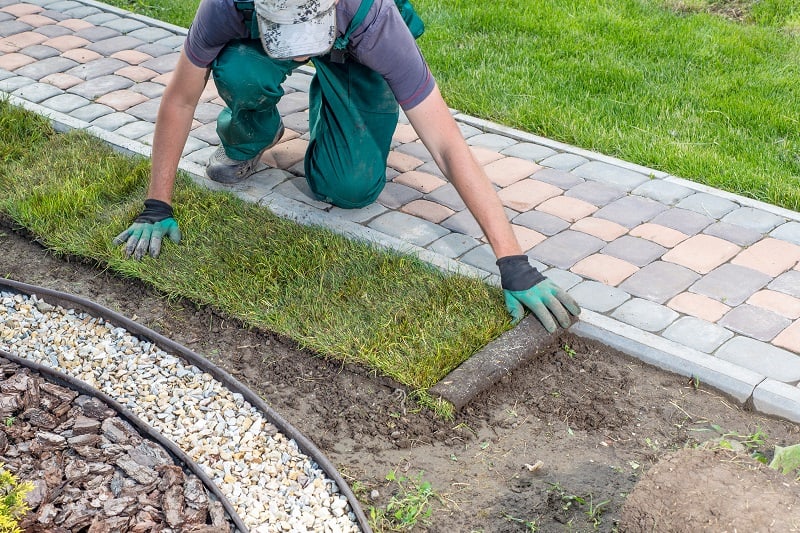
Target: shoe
(223, 169)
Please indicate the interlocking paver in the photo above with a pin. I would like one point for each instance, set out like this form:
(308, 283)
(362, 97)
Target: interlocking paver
(755, 219)
(754, 322)
(21, 9)
(66, 103)
(13, 61)
(662, 235)
(362, 215)
(645, 315)
(567, 208)
(598, 297)
(509, 170)
(604, 268)
(731, 284)
(146, 110)
(564, 279)
(530, 151)
(702, 253)
(662, 191)
(151, 34)
(697, 334)
(761, 357)
(613, 175)
(481, 257)
(150, 90)
(136, 73)
(121, 100)
(463, 222)
(37, 92)
(430, 211)
(140, 128)
(699, 306)
(454, 245)
(97, 34)
(600, 228)
(541, 222)
(630, 211)
(81, 55)
(396, 195)
(788, 283)
(683, 220)
(738, 235)
(484, 156)
(448, 197)
(99, 68)
(39, 51)
(563, 161)
(11, 84)
(91, 112)
(122, 25)
(789, 338)
(12, 27)
(561, 179)
(708, 204)
(399, 161)
(639, 252)
(431, 168)
(527, 237)
(404, 133)
(412, 229)
(526, 194)
(777, 302)
(36, 21)
(788, 232)
(492, 141)
(132, 57)
(286, 154)
(566, 248)
(113, 121)
(595, 193)
(75, 24)
(416, 149)
(16, 42)
(65, 42)
(46, 67)
(659, 281)
(770, 256)
(425, 183)
(53, 31)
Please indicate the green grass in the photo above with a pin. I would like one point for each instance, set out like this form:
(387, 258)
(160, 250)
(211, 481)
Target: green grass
(338, 297)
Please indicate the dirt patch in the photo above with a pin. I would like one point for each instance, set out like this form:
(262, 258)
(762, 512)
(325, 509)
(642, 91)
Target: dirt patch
(557, 446)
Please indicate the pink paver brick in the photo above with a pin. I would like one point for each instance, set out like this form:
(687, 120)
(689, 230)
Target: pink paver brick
(81, 55)
(789, 338)
(484, 156)
(122, 100)
(62, 80)
(421, 181)
(137, 74)
(63, 43)
(402, 162)
(567, 208)
(428, 210)
(209, 92)
(783, 304)
(37, 21)
(527, 237)
(13, 61)
(605, 269)
(285, 154)
(510, 170)
(134, 57)
(600, 228)
(702, 253)
(405, 133)
(770, 256)
(666, 237)
(75, 24)
(164, 79)
(19, 41)
(219, 101)
(21, 9)
(699, 306)
(526, 194)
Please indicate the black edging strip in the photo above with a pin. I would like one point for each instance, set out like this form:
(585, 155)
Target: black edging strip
(168, 345)
(82, 387)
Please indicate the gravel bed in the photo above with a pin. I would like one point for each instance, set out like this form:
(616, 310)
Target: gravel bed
(272, 485)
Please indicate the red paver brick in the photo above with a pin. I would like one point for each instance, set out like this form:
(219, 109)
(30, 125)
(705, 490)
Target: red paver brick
(21, 9)
(789, 338)
(402, 162)
(421, 181)
(567, 208)
(428, 210)
(484, 156)
(605, 269)
(122, 100)
(405, 133)
(81, 55)
(62, 43)
(699, 306)
(14, 61)
(527, 237)
(75, 24)
(666, 237)
(526, 194)
(137, 74)
(134, 57)
(778, 302)
(19, 41)
(164, 79)
(702, 253)
(600, 228)
(510, 170)
(37, 21)
(286, 154)
(770, 256)
(62, 80)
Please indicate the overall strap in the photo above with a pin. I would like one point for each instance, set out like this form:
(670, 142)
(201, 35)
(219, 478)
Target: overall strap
(340, 44)
(247, 7)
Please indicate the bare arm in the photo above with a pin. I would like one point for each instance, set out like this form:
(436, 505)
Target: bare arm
(439, 132)
(173, 124)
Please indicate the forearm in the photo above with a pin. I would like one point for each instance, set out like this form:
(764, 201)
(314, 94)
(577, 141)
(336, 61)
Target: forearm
(172, 130)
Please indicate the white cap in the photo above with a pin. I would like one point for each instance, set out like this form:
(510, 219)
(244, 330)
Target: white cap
(296, 28)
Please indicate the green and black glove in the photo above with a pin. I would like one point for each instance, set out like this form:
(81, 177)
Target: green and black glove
(145, 234)
(524, 286)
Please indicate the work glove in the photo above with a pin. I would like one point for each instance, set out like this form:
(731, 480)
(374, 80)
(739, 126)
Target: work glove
(524, 286)
(147, 230)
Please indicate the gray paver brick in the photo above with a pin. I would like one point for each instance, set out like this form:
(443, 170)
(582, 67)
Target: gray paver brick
(97, 87)
(13, 83)
(361, 215)
(207, 112)
(155, 50)
(13, 27)
(395, 195)
(528, 151)
(65, 103)
(563, 161)
(53, 31)
(299, 81)
(755, 219)
(761, 357)
(297, 122)
(122, 24)
(707, 204)
(37, 92)
(206, 133)
(91, 112)
(82, 12)
(595, 193)
(613, 175)
(417, 150)
(454, 245)
(482, 257)
(151, 34)
(98, 68)
(163, 63)
(64, 5)
(598, 297)
(431, 168)
(55, 15)
(754, 322)
(730, 284)
(736, 234)
(412, 229)
(659, 281)
(200, 157)
(662, 191)
(4, 74)
(559, 178)
(113, 121)
(298, 189)
(146, 110)
(139, 128)
(51, 65)
(566, 248)
(40, 51)
(97, 34)
(115, 44)
(683, 220)
(492, 141)
(644, 314)
(697, 334)
(293, 103)
(468, 131)
(100, 19)
(544, 223)
(630, 211)
(634, 250)
(788, 283)
(788, 232)
(463, 222)
(149, 89)
(448, 197)
(175, 42)
(563, 278)
(776, 398)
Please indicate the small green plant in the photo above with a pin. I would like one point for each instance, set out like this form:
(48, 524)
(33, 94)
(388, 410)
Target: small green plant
(12, 501)
(570, 502)
(411, 505)
(10, 421)
(569, 350)
(530, 525)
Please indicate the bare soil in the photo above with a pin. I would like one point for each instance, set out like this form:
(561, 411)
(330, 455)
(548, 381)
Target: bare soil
(557, 446)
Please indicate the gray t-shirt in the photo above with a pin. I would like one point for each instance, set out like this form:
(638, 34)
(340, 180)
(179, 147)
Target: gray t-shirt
(382, 42)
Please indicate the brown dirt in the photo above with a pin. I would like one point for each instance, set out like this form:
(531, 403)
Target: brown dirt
(557, 446)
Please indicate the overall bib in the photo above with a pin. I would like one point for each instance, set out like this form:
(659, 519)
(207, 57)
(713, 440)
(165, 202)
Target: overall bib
(352, 111)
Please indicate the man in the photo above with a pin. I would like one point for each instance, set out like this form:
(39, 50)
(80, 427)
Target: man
(367, 62)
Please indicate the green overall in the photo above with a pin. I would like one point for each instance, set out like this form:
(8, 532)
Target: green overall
(352, 111)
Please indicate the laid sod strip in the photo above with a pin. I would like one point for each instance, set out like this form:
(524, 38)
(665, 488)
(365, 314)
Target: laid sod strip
(341, 298)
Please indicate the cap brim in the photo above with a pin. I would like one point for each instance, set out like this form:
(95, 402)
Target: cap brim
(311, 38)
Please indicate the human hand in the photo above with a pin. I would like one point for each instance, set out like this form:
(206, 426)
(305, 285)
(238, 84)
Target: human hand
(524, 286)
(148, 229)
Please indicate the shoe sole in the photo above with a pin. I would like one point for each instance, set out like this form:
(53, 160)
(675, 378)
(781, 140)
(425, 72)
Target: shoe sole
(254, 161)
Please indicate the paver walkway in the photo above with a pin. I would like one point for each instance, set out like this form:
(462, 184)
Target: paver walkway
(691, 279)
